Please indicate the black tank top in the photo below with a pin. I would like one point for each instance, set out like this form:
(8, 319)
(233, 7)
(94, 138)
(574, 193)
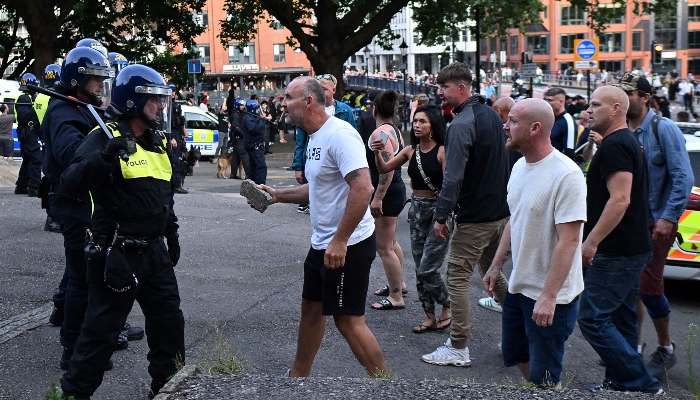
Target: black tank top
(373, 171)
(431, 167)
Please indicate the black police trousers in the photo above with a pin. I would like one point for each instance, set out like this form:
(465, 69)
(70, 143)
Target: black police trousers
(30, 170)
(159, 298)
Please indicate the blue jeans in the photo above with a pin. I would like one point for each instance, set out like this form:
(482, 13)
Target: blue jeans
(543, 347)
(608, 319)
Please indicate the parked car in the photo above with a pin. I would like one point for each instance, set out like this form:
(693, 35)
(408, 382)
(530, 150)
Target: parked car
(202, 129)
(683, 261)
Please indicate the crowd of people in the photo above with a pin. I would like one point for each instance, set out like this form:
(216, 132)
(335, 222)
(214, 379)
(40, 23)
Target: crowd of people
(501, 181)
(491, 179)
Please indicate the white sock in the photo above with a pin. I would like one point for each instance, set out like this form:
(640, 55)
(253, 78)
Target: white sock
(640, 348)
(669, 349)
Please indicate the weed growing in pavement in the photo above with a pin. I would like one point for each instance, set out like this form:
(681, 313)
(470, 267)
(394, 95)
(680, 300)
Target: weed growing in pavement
(227, 362)
(528, 385)
(385, 374)
(179, 363)
(462, 381)
(55, 393)
(691, 340)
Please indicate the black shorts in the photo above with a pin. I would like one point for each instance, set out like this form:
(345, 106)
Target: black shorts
(342, 291)
(394, 199)
(7, 147)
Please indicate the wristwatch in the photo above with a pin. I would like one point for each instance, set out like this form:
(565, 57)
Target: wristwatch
(441, 221)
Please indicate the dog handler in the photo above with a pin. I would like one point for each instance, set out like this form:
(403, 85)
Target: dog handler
(127, 259)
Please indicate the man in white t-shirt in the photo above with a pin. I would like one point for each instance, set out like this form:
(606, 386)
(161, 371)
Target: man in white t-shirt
(547, 201)
(343, 244)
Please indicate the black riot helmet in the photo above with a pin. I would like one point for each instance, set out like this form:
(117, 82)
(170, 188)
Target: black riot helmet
(140, 91)
(82, 64)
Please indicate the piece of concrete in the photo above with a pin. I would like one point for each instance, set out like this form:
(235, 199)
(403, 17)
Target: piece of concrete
(257, 198)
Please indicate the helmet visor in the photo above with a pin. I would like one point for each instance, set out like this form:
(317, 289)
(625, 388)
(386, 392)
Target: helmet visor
(106, 95)
(157, 111)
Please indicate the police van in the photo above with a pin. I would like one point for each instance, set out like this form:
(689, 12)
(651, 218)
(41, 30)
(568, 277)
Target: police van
(9, 92)
(202, 129)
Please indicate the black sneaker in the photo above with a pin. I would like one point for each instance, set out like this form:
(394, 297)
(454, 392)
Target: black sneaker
(181, 191)
(133, 332)
(19, 190)
(661, 361)
(56, 318)
(31, 192)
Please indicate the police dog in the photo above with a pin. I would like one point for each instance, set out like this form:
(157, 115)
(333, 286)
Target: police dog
(223, 162)
(189, 160)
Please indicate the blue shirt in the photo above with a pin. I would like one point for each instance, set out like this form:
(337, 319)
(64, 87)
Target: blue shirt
(668, 166)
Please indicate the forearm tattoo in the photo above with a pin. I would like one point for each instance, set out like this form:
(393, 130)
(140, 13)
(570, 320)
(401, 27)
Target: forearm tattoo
(385, 156)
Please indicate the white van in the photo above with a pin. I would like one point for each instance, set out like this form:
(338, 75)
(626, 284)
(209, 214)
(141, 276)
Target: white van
(202, 129)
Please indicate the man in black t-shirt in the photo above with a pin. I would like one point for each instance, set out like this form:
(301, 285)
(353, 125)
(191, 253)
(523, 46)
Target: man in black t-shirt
(617, 245)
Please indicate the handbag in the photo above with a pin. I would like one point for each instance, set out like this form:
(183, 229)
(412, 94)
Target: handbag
(435, 190)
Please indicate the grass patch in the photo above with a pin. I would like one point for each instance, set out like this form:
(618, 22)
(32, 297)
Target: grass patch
(384, 374)
(55, 393)
(227, 363)
(691, 340)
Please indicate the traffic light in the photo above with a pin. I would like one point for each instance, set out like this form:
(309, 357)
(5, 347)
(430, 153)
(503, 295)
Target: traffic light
(525, 57)
(656, 50)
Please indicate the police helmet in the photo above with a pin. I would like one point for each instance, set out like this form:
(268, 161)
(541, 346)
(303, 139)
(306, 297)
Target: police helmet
(93, 44)
(52, 74)
(252, 106)
(117, 61)
(134, 87)
(238, 102)
(27, 79)
(83, 63)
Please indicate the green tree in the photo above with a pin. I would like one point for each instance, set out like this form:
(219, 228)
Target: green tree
(133, 28)
(330, 31)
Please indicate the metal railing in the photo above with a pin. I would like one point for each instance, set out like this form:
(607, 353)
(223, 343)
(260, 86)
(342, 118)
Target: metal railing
(412, 88)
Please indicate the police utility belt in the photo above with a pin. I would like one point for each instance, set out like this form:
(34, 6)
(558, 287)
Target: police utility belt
(248, 146)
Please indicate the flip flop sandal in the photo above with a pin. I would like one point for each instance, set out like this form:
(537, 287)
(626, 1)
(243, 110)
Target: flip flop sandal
(424, 328)
(385, 304)
(444, 327)
(385, 291)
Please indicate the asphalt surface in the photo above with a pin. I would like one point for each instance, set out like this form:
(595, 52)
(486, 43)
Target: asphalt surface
(240, 280)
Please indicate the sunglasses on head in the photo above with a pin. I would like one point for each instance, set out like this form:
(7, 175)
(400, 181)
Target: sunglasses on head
(327, 77)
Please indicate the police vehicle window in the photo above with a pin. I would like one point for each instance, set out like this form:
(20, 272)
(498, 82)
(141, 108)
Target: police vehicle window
(198, 121)
(695, 165)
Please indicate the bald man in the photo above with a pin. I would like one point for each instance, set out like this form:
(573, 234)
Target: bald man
(544, 238)
(502, 107)
(617, 245)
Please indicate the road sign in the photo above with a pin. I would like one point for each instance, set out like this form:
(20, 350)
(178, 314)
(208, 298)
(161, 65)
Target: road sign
(586, 53)
(529, 70)
(194, 66)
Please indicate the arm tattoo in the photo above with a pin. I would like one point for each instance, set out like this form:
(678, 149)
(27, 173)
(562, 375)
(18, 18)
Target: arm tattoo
(352, 175)
(508, 253)
(386, 155)
(383, 178)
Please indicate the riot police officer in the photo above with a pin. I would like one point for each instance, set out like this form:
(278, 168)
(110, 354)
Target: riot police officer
(236, 139)
(128, 260)
(65, 125)
(117, 61)
(254, 138)
(177, 141)
(29, 135)
(52, 73)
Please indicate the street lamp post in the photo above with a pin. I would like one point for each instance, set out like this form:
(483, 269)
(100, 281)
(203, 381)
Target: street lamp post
(404, 48)
(366, 52)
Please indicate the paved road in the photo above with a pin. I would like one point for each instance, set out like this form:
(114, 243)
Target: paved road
(240, 275)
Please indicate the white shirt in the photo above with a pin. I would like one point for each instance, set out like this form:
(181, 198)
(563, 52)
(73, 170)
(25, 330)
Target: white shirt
(333, 151)
(330, 110)
(684, 88)
(541, 195)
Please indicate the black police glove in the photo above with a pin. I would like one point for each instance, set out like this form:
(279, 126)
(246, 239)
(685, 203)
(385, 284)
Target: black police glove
(115, 148)
(173, 248)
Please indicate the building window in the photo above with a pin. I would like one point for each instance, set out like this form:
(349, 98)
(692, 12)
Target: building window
(515, 45)
(236, 56)
(612, 66)
(611, 42)
(201, 18)
(636, 64)
(203, 50)
(693, 65)
(545, 13)
(636, 41)
(566, 42)
(538, 43)
(572, 16)
(665, 32)
(621, 18)
(482, 44)
(278, 51)
(276, 25)
(694, 39)
(693, 12)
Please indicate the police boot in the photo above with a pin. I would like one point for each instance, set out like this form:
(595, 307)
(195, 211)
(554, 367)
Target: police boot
(51, 226)
(133, 332)
(31, 192)
(155, 389)
(56, 318)
(20, 190)
(123, 341)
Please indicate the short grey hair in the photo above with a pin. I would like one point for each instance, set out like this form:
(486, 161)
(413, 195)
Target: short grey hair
(312, 87)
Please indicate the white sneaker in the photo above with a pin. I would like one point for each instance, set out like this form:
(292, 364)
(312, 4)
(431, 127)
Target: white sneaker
(491, 304)
(448, 355)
